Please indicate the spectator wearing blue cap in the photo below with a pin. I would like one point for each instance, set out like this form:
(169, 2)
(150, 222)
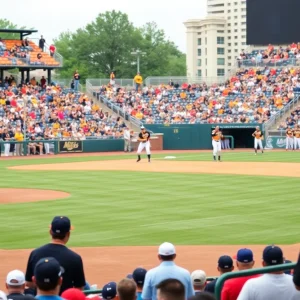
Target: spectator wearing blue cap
(139, 275)
(60, 231)
(275, 285)
(225, 265)
(109, 291)
(167, 269)
(232, 287)
(47, 277)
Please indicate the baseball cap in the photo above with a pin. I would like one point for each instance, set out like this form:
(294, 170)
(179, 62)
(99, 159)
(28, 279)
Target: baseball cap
(225, 262)
(142, 127)
(2, 296)
(139, 275)
(198, 277)
(73, 294)
(129, 276)
(109, 291)
(273, 255)
(15, 278)
(244, 255)
(61, 225)
(47, 270)
(166, 249)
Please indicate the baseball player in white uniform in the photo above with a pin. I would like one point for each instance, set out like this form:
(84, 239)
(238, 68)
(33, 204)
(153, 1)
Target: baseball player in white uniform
(216, 143)
(144, 139)
(297, 137)
(258, 137)
(289, 139)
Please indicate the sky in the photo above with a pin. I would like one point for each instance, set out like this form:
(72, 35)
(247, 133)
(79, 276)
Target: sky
(55, 16)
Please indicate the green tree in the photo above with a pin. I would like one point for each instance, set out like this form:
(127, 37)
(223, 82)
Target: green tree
(6, 24)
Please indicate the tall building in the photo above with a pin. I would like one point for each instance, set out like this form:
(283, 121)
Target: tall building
(213, 43)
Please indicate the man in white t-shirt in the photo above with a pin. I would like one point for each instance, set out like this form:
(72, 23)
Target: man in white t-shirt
(275, 286)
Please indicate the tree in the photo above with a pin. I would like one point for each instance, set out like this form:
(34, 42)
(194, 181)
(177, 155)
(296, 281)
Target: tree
(105, 45)
(5, 24)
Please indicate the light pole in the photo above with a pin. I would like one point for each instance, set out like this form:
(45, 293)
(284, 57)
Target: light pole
(138, 53)
(25, 117)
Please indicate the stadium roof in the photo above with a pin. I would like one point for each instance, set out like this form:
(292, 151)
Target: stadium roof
(23, 32)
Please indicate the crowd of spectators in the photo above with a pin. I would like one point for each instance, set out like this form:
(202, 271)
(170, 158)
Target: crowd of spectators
(51, 112)
(291, 121)
(56, 272)
(252, 95)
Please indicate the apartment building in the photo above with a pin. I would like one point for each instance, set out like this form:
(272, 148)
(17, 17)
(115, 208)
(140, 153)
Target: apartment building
(213, 43)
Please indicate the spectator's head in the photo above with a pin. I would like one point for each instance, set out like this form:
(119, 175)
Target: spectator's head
(272, 256)
(166, 252)
(15, 282)
(60, 229)
(203, 296)
(47, 276)
(138, 276)
(225, 264)
(244, 259)
(109, 291)
(126, 289)
(2, 296)
(199, 280)
(73, 294)
(170, 289)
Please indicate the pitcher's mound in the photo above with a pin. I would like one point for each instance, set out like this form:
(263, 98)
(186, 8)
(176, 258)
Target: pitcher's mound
(29, 195)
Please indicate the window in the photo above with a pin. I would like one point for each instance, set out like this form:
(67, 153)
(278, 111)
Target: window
(236, 37)
(220, 72)
(244, 29)
(220, 51)
(229, 31)
(229, 51)
(229, 11)
(229, 37)
(243, 9)
(205, 41)
(244, 23)
(199, 52)
(220, 40)
(199, 62)
(229, 24)
(243, 43)
(199, 73)
(235, 30)
(243, 16)
(205, 51)
(229, 44)
(235, 44)
(228, 4)
(199, 41)
(206, 72)
(229, 57)
(235, 50)
(206, 61)
(220, 31)
(235, 17)
(235, 3)
(235, 24)
(243, 36)
(229, 18)
(220, 61)
(235, 10)
(229, 64)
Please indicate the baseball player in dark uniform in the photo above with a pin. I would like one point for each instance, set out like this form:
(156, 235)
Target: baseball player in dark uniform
(144, 139)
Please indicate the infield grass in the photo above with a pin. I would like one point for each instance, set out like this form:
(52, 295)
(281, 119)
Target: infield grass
(138, 208)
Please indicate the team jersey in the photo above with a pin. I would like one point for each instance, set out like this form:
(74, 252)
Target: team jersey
(297, 133)
(258, 134)
(144, 135)
(216, 136)
(289, 133)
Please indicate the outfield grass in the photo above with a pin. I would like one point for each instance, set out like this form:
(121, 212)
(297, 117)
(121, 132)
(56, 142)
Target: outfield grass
(132, 208)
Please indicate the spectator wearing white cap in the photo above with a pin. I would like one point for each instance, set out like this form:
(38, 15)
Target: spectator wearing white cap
(167, 269)
(2, 296)
(199, 280)
(15, 285)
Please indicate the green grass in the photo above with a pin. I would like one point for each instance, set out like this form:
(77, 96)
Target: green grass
(137, 208)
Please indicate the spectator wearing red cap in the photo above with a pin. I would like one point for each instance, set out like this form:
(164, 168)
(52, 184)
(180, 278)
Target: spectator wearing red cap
(225, 265)
(71, 262)
(232, 287)
(275, 285)
(73, 294)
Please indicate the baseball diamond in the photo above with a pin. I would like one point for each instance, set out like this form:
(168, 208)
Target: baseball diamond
(203, 208)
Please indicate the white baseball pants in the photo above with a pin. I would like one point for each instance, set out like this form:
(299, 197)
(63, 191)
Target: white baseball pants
(216, 147)
(296, 143)
(289, 143)
(6, 149)
(47, 148)
(258, 143)
(142, 146)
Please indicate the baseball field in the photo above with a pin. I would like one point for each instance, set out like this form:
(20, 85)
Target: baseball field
(122, 210)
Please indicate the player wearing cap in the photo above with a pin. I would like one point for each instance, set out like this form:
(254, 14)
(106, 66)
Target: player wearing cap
(166, 269)
(216, 143)
(199, 280)
(139, 276)
(225, 265)
(297, 137)
(47, 277)
(109, 291)
(126, 289)
(275, 286)
(144, 139)
(258, 137)
(15, 285)
(71, 262)
(232, 287)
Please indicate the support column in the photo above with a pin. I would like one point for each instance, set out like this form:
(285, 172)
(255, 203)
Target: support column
(22, 77)
(49, 76)
(1, 75)
(28, 75)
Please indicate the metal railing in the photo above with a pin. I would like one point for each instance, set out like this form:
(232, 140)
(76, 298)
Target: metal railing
(184, 79)
(267, 62)
(98, 82)
(226, 276)
(277, 117)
